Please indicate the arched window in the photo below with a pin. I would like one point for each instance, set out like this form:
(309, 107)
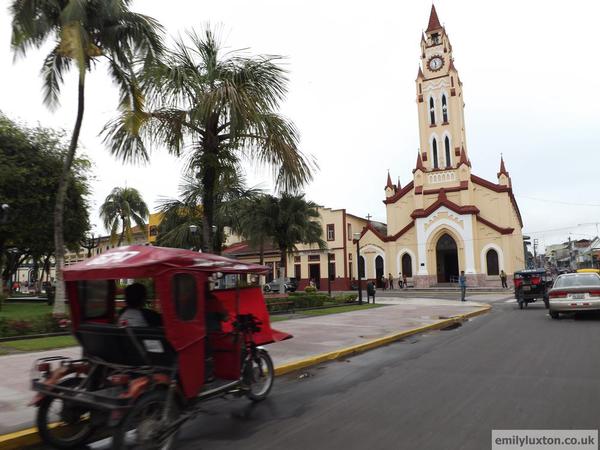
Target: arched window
(407, 265)
(447, 149)
(444, 109)
(431, 111)
(435, 153)
(491, 258)
(361, 266)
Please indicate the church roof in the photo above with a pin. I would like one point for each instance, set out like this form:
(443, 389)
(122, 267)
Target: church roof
(434, 22)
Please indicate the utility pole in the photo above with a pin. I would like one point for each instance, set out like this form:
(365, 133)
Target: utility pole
(535, 246)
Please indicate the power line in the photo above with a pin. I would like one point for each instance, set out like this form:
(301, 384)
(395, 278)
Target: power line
(560, 202)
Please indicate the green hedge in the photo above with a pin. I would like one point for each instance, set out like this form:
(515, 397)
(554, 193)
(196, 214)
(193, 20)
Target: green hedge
(343, 298)
(35, 325)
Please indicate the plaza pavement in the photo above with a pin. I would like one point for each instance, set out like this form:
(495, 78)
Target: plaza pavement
(312, 336)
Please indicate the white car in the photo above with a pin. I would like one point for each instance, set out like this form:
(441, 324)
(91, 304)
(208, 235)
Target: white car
(574, 292)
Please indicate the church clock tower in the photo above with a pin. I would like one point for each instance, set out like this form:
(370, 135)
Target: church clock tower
(440, 102)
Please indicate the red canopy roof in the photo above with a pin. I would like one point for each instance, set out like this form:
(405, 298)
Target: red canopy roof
(138, 261)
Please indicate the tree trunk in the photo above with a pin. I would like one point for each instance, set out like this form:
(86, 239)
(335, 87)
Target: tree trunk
(122, 232)
(63, 183)
(210, 168)
(282, 264)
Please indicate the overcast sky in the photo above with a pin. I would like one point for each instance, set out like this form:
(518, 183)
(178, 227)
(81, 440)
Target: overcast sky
(531, 87)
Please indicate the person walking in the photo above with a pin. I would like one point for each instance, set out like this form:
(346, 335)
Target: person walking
(503, 279)
(400, 283)
(462, 283)
(404, 283)
(391, 280)
(371, 291)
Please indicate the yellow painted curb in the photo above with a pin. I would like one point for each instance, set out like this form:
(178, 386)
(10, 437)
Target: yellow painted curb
(19, 439)
(30, 436)
(379, 342)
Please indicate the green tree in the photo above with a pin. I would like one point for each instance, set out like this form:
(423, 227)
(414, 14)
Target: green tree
(287, 220)
(255, 221)
(121, 208)
(180, 215)
(221, 105)
(30, 164)
(83, 32)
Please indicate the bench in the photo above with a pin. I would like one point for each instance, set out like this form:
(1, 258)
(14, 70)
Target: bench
(135, 346)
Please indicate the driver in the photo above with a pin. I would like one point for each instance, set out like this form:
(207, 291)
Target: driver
(135, 314)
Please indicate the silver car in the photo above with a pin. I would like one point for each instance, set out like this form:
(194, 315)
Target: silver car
(574, 292)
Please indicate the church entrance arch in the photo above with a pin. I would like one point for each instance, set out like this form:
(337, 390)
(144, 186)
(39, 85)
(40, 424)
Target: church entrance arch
(379, 270)
(446, 256)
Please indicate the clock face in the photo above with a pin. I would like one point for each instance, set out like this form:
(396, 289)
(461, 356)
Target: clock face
(436, 63)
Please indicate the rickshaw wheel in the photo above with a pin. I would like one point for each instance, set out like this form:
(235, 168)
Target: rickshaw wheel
(260, 376)
(71, 424)
(138, 429)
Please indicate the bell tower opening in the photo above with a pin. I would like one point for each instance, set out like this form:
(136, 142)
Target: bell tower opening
(446, 255)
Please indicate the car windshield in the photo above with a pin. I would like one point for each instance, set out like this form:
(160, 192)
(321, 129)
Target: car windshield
(580, 279)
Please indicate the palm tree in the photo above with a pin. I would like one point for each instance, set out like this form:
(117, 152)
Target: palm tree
(84, 33)
(180, 215)
(223, 106)
(120, 208)
(286, 221)
(255, 221)
(296, 223)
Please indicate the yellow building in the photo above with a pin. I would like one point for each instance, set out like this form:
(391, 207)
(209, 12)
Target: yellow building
(446, 219)
(308, 262)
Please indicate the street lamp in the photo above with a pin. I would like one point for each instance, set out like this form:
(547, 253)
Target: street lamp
(357, 239)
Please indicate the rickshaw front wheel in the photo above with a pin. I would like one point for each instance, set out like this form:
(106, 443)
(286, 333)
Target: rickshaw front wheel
(63, 424)
(259, 375)
(138, 429)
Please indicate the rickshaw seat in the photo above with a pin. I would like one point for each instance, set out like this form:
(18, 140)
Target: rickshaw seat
(134, 346)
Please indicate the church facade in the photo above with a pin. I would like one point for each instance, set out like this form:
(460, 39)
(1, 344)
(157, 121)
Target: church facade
(447, 219)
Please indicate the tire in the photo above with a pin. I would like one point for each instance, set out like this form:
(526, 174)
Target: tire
(266, 288)
(554, 314)
(262, 368)
(60, 437)
(147, 415)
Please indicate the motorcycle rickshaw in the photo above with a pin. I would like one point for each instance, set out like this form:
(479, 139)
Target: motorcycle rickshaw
(140, 384)
(531, 285)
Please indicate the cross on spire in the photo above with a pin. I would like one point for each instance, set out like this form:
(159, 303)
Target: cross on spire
(369, 217)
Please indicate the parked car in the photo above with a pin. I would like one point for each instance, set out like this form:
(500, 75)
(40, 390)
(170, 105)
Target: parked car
(574, 292)
(531, 285)
(290, 285)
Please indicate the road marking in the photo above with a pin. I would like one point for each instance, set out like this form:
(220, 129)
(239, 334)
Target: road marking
(512, 300)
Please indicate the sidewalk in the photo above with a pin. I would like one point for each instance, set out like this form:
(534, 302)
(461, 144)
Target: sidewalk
(313, 337)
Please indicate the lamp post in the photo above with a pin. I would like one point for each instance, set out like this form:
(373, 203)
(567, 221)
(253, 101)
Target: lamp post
(357, 239)
(90, 242)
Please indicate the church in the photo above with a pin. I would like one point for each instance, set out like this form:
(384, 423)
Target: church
(447, 219)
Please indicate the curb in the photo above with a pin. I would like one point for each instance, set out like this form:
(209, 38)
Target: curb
(379, 342)
(30, 436)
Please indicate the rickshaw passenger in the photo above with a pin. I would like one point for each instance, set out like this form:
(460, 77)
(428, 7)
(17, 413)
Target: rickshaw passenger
(135, 314)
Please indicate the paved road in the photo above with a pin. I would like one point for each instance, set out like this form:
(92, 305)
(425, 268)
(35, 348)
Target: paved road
(443, 390)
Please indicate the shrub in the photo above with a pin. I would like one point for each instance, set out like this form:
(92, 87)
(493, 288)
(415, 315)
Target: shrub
(343, 298)
(36, 325)
(308, 299)
(310, 289)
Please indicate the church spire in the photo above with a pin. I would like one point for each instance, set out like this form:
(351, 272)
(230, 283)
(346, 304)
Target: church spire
(463, 158)
(420, 165)
(434, 22)
(502, 167)
(389, 183)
